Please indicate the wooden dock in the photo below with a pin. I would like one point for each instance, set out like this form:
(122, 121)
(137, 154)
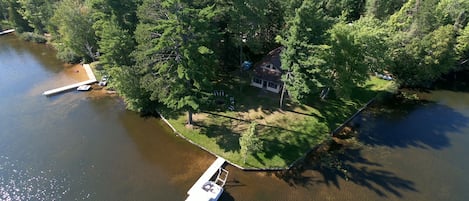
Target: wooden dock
(7, 31)
(89, 72)
(212, 170)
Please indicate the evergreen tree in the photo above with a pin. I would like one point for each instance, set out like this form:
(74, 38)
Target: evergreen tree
(115, 23)
(175, 40)
(301, 54)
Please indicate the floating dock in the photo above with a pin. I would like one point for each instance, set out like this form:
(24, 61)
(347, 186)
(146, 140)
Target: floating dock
(208, 174)
(89, 72)
(7, 31)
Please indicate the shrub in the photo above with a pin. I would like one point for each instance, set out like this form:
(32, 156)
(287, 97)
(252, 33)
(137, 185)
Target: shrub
(33, 37)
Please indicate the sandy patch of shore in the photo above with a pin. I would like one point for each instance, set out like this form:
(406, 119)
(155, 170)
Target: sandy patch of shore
(76, 72)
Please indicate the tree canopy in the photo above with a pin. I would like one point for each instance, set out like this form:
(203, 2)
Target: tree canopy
(172, 52)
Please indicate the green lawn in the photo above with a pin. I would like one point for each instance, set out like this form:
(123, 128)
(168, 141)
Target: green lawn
(286, 134)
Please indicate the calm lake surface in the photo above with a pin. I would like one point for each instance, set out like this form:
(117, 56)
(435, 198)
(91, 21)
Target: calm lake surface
(81, 146)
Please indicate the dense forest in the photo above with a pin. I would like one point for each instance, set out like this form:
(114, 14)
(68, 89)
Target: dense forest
(172, 52)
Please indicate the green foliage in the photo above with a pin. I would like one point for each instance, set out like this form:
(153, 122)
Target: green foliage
(16, 19)
(114, 23)
(33, 37)
(351, 9)
(126, 80)
(3, 10)
(169, 38)
(462, 46)
(345, 59)
(115, 45)
(452, 12)
(249, 142)
(382, 9)
(421, 61)
(301, 54)
(75, 34)
(37, 13)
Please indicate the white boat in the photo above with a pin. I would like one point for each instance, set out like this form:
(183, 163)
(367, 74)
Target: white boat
(84, 87)
(6, 31)
(210, 191)
(206, 189)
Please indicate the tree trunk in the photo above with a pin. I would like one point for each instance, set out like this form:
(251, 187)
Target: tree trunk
(284, 88)
(189, 117)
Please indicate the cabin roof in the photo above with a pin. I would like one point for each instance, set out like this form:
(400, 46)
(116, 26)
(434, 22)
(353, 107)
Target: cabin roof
(273, 57)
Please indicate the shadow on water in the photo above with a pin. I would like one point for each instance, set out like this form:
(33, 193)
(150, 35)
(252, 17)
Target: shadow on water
(337, 164)
(422, 124)
(393, 124)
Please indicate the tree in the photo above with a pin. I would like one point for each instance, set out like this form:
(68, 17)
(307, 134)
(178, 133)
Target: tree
(351, 9)
(115, 23)
(421, 61)
(37, 13)
(3, 10)
(75, 37)
(250, 25)
(382, 9)
(452, 12)
(355, 50)
(462, 46)
(249, 142)
(422, 41)
(175, 40)
(300, 56)
(16, 19)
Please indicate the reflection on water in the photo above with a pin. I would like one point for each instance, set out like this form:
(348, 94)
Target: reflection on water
(18, 183)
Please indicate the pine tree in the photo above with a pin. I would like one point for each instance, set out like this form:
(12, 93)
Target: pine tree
(175, 40)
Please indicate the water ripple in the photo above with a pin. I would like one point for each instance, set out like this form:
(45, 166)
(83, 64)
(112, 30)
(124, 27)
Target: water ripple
(18, 183)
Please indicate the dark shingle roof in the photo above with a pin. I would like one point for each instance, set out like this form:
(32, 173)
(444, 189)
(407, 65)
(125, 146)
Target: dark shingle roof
(273, 57)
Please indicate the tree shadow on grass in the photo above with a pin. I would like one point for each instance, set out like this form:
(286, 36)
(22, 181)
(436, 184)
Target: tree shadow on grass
(336, 110)
(282, 144)
(290, 145)
(221, 130)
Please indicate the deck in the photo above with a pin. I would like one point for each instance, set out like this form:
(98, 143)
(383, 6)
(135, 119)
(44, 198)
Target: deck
(6, 31)
(89, 72)
(212, 170)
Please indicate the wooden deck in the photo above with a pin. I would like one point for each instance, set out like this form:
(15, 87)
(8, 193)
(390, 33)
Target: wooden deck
(89, 72)
(6, 31)
(212, 170)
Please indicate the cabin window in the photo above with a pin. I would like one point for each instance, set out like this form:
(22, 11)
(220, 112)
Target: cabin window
(273, 85)
(257, 80)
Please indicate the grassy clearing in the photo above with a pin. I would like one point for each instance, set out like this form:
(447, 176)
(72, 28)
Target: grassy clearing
(286, 134)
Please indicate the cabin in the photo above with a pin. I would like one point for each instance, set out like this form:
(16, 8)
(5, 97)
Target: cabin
(268, 73)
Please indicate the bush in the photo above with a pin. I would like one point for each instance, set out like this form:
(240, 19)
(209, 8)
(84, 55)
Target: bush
(33, 37)
(4, 24)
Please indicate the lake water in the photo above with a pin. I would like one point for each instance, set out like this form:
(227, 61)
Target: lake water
(80, 146)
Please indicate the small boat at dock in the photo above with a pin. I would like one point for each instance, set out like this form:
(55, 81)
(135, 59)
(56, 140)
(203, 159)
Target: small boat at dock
(85, 87)
(206, 189)
(6, 31)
